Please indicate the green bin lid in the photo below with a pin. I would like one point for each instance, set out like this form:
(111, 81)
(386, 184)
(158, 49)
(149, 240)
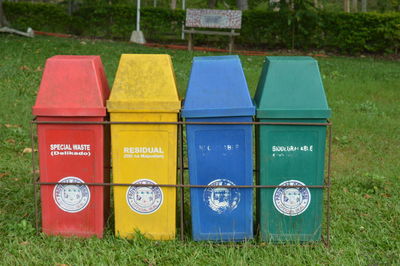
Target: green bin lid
(291, 87)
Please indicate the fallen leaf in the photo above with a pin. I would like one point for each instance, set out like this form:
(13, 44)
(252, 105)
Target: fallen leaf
(4, 174)
(39, 69)
(345, 190)
(24, 243)
(83, 43)
(386, 195)
(24, 68)
(16, 179)
(61, 264)
(10, 125)
(11, 141)
(366, 196)
(27, 150)
(364, 214)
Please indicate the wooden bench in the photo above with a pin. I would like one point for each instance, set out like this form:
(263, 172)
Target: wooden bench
(213, 19)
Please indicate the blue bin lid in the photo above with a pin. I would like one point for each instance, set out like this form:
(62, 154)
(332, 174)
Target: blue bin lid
(217, 88)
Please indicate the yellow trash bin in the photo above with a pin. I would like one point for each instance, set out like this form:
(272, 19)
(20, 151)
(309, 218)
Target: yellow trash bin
(144, 91)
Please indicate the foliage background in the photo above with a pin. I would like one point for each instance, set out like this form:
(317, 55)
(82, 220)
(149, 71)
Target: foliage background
(304, 28)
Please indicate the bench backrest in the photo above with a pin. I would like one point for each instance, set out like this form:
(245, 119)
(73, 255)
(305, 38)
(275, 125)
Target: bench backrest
(213, 18)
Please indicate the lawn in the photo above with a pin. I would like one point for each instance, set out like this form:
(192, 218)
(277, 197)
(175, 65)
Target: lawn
(363, 93)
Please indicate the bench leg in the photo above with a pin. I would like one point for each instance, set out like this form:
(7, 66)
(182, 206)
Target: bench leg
(190, 42)
(231, 43)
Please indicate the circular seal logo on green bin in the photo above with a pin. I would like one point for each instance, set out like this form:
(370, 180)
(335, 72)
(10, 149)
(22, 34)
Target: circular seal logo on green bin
(221, 199)
(71, 198)
(291, 201)
(144, 200)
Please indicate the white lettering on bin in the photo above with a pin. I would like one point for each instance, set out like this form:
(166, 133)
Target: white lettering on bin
(70, 149)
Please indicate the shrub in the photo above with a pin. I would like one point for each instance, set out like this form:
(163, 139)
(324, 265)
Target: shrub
(342, 32)
(39, 16)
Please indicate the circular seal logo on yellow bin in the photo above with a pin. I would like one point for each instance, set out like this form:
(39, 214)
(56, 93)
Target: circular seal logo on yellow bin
(71, 198)
(144, 200)
(291, 201)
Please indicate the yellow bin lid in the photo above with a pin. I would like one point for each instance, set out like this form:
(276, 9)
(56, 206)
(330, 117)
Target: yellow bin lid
(144, 83)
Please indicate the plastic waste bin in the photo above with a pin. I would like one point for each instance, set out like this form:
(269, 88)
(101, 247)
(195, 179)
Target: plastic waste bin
(144, 91)
(290, 90)
(219, 155)
(73, 89)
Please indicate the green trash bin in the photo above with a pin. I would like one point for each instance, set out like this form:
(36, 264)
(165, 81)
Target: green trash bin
(290, 90)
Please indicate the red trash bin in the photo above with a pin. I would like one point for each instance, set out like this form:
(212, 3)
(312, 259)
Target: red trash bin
(73, 88)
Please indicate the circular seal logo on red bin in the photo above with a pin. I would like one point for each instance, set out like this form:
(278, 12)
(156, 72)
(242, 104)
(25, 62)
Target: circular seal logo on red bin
(71, 198)
(291, 201)
(142, 199)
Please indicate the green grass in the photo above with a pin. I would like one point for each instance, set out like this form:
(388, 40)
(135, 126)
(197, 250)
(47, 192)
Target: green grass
(363, 93)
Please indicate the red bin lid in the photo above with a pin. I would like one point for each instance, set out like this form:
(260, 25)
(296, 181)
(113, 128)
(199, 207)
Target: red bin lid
(72, 86)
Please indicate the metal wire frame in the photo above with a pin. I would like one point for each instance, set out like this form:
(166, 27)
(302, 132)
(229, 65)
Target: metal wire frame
(180, 123)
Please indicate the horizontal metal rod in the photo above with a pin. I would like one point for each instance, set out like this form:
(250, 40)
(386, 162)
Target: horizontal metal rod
(179, 123)
(175, 185)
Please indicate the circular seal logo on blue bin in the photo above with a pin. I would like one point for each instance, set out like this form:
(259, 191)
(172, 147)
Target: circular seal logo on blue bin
(71, 198)
(221, 200)
(292, 201)
(144, 200)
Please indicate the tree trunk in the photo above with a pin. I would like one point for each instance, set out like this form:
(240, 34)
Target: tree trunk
(319, 4)
(70, 7)
(346, 6)
(242, 4)
(3, 20)
(212, 3)
(364, 5)
(354, 5)
(173, 4)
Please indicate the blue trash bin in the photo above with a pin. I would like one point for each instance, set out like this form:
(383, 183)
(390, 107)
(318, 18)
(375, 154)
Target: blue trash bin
(219, 155)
